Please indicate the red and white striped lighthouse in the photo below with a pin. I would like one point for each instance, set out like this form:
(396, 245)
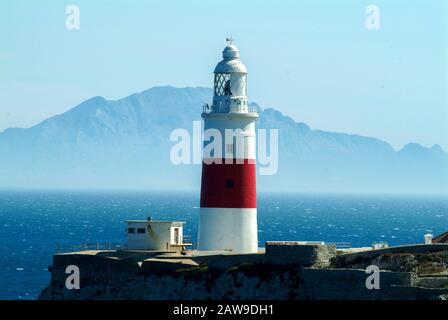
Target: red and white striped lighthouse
(228, 214)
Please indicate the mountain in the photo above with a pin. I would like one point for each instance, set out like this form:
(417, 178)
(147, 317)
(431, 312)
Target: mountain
(125, 144)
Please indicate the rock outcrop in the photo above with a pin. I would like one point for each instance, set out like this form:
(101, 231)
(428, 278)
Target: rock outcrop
(280, 273)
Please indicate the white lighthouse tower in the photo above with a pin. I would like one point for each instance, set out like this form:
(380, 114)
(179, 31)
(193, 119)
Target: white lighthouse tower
(228, 213)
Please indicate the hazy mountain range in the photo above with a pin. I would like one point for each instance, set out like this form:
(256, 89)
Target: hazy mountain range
(125, 144)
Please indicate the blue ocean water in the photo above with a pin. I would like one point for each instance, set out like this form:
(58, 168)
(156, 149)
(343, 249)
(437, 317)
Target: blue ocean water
(32, 223)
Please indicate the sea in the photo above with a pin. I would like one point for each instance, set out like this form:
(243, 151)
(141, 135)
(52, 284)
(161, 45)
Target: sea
(33, 224)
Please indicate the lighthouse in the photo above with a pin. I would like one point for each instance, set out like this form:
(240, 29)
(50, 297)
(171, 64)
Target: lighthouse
(228, 210)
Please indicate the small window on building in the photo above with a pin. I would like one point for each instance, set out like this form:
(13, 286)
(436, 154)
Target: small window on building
(229, 184)
(141, 230)
(131, 230)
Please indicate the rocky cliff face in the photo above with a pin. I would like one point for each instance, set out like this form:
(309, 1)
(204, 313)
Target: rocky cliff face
(133, 276)
(418, 259)
(246, 282)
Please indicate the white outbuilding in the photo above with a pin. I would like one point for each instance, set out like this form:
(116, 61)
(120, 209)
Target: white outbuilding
(155, 235)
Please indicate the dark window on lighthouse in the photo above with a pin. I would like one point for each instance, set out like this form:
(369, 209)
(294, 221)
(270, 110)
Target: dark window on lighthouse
(229, 184)
(227, 90)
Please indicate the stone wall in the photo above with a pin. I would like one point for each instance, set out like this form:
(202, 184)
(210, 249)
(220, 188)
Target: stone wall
(351, 284)
(306, 255)
(433, 282)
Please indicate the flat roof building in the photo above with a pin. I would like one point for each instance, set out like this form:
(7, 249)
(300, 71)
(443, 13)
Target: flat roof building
(155, 235)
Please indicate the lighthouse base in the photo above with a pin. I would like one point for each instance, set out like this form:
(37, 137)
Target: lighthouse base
(228, 229)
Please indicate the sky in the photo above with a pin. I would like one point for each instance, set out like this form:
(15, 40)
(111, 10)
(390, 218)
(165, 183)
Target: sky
(313, 60)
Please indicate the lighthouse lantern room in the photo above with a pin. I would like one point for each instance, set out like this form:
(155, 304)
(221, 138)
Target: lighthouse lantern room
(228, 212)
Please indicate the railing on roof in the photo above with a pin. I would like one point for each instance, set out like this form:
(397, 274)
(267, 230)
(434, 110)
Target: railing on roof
(228, 109)
(186, 239)
(340, 245)
(90, 247)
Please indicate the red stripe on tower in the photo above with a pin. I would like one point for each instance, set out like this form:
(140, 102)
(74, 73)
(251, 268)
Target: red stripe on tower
(229, 185)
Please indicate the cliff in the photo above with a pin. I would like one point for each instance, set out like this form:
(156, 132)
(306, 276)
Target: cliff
(284, 272)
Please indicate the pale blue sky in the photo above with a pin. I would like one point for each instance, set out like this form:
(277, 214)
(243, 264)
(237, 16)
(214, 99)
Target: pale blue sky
(313, 60)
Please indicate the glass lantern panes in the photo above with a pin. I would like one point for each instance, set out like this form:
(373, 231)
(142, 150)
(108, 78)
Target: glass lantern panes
(238, 85)
(222, 84)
